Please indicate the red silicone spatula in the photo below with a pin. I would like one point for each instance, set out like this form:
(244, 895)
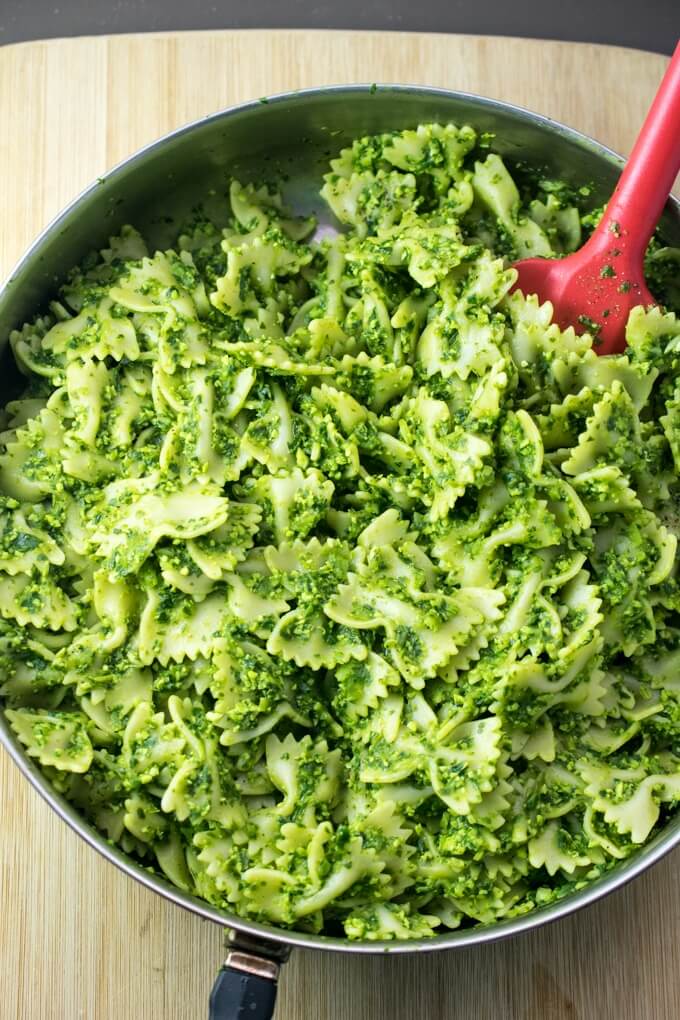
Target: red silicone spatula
(595, 288)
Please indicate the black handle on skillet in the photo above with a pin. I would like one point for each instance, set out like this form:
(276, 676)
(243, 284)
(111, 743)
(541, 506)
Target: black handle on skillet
(245, 987)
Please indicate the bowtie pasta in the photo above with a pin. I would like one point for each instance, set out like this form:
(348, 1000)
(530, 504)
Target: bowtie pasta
(338, 584)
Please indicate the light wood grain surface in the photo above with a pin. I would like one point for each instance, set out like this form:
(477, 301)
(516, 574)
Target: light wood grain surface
(78, 941)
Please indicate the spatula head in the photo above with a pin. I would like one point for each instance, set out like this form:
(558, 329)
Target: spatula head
(592, 290)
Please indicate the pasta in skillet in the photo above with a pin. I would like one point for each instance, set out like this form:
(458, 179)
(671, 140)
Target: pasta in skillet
(337, 583)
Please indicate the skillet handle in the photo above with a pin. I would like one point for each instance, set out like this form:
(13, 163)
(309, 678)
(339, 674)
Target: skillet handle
(245, 988)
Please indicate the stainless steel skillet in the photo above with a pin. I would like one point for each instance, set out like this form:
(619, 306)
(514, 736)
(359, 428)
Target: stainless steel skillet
(289, 137)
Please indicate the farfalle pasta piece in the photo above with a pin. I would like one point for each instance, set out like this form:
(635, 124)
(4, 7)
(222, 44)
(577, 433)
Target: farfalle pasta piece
(650, 332)
(25, 546)
(629, 799)
(360, 685)
(422, 629)
(430, 149)
(253, 692)
(95, 332)
(612, 435)
(462, 334)
(307, 774)
(366, 200)
(372, 380)
(495, 188)
(535, 341)
(293, 502)
(39, 601)
(31, 464)
(390, 921)
(449, 458)
(57, 739)
(560, 223)
(556, 848)
(134, 517)
(428, 250)
(217, 552)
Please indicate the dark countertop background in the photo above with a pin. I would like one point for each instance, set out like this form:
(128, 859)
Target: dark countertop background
(645, 24)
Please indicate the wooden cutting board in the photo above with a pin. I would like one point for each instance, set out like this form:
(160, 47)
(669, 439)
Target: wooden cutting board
(78, 941)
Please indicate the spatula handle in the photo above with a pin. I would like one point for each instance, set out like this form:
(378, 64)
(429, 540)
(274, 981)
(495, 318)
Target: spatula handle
(245, 988)
(647, 179)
